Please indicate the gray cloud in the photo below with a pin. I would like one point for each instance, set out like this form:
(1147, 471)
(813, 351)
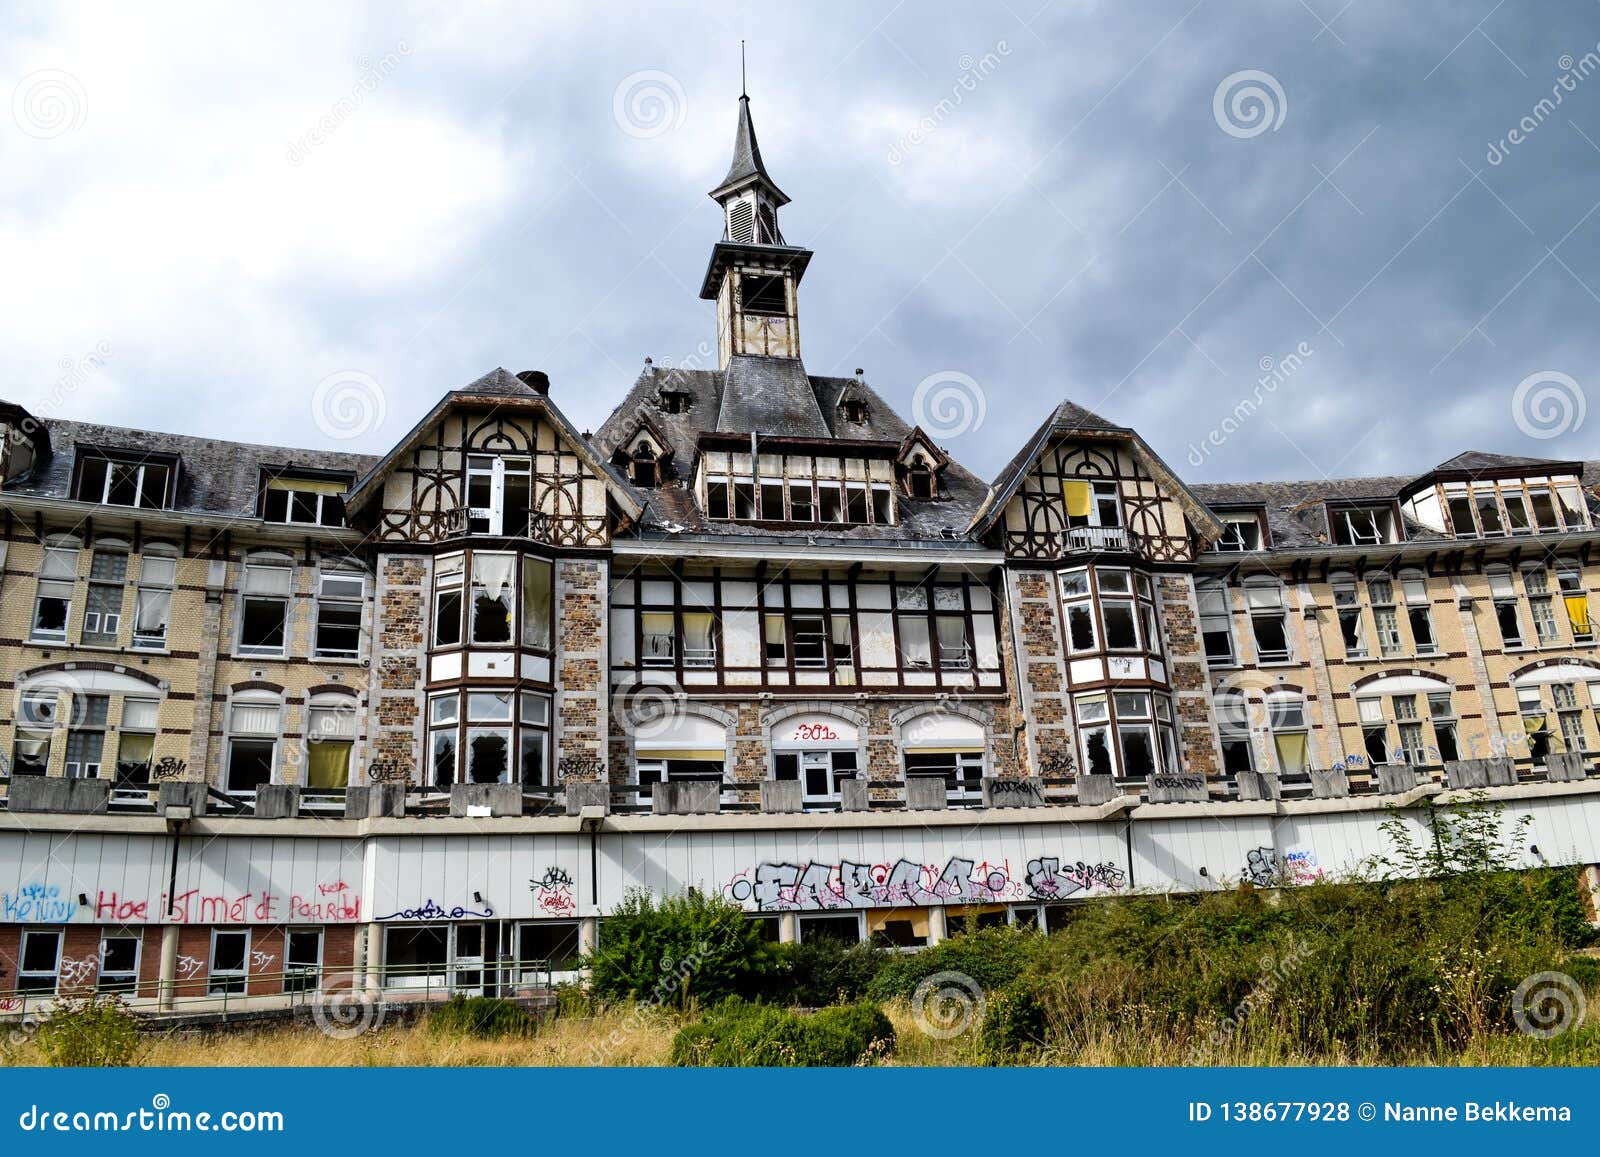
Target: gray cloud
(1038, 197)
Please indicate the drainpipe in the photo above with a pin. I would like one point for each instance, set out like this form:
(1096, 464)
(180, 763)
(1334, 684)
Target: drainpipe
(1016, 662)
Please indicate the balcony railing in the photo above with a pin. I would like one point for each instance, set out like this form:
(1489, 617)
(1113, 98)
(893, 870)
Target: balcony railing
(1097, 538)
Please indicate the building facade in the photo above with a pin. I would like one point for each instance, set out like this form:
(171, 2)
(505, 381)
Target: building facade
(278, 720)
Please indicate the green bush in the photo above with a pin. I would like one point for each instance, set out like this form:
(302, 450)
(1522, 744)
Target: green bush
(990, 956)
(90, 1032)
(824, 971)
(684, 947)
(740, 1034)
(485, 1017)
(1392, 969)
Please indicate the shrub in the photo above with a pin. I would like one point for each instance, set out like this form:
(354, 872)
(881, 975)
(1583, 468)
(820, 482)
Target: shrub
(740, 1034)
(686, 946)
(990, 956)
(820, 972)
(91, 1031)
(485, 1017)
(1016, 1020)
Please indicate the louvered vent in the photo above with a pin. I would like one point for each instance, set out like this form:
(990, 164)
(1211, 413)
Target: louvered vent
(741, 222)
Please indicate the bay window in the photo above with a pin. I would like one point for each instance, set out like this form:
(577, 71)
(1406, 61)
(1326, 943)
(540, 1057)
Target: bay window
(448, 576)
(488, 744)
(537, 603)
(491, 597)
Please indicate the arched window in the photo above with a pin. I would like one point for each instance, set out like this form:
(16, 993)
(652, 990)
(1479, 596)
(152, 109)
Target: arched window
(919, 478)
(940, 745)
(820, 751)
(643, 467)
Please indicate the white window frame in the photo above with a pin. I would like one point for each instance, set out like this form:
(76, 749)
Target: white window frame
(259, 564)
(343, 600)
(219, 982)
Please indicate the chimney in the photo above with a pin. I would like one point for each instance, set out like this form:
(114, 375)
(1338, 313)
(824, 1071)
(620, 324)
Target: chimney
(536, 380)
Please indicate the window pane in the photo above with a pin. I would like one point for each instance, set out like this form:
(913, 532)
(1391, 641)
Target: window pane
(536, 603)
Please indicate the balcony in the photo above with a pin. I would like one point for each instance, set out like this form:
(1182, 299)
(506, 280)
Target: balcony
(1097, 538)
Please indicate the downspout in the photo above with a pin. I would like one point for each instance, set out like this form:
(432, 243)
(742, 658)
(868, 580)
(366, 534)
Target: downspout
(1016, 660)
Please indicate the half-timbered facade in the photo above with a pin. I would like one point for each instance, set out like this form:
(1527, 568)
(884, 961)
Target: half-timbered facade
(432, 714)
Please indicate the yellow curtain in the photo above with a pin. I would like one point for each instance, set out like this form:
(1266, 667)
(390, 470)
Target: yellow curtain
(1291, 751)
(712, 754)
(1578, 612)
(1076, 496)
(1532, 724)
(307, 485)
(329, 765)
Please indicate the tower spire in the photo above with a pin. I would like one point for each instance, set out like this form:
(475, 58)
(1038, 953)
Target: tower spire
(743, 87)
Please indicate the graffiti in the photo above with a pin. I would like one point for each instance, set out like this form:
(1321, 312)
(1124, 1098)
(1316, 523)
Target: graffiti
(1264, 868)
(261, 961)
(1057, 765)
(333, 903)
(75, 973)
(1349, 763)
(813, 886)
(331, 889)
(815, 732)
(431, 910)
(579, 768)
(168, 767)
(108, 906)
(1015, 793)
(554, 893)
(189, 966)
(195, 907)
(37, 904)
(1178, 782)
(10, 1003)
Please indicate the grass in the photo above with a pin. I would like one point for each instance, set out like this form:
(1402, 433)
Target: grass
(621, 1036)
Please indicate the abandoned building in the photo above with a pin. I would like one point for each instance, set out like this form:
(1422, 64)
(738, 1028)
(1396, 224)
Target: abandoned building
(279, 720)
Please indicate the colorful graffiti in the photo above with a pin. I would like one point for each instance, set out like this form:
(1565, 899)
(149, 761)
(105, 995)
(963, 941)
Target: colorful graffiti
(812, 886)
(37, 903)
(1265, 868)
(554, 893)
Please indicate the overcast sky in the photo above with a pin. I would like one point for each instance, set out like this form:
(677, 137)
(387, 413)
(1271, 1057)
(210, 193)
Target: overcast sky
(302, 224)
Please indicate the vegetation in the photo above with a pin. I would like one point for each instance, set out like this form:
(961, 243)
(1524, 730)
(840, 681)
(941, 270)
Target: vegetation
(481, 1016)
(814, 973)
(90, 1031)
(991, 957)
(685, 947)
(740, 1034)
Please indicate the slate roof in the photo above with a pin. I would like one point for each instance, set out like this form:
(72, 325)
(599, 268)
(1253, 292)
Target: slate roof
(747, 157)
(216, 477)
(774, 396)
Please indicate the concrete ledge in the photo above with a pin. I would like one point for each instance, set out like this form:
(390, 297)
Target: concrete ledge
(582, 795)
(502, 799)
(1168, 788)
(1329, 784)
(1396, 778)
(1256, 785)
(374, 801)
(686, 798)
(51, 793)
(1025, 792)
(1094, 790)
(1567, 768)
(1474, 773)
(781, 796)
(277, 801)
(853, 795)
(182, 793)
(925, 793)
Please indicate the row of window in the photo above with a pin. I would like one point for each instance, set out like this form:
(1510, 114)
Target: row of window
(265, 592)
(804, 501)
(94, 749)
(1490, 509)
(489, 736)
(128, 478)
(228, 964)
(1109, 610)
(1389, 616)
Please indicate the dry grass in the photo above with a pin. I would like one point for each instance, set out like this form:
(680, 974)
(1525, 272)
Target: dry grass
(644, 1038)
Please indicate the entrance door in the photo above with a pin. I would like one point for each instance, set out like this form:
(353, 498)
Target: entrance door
(467, 959)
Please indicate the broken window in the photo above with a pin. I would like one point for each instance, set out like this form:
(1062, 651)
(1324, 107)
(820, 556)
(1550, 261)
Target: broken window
(129, 481)
(488, 744)
(152, 608)
(1240, 532)
(499, 495)
(339, 600)
(448, 573)
(642, 465)
(416, 957)
(491, 597)
(1216, 627)
(264, 606)
(1233, 726)
(1362, 526)
(1269, 622)
(1286, 716)
(39, 963)
(253, 728)
(52, 606)
(230, 961)
(537, 604)
(303, 501)
(136, 737)
(820, 773)
(802, 506)
(302, 959)
(119, 963)
(36, 722)
(763, 295)
(330, 740)
(444, 718)
(1443, 716)
(548, 944)
(1576, 602)
(961, 771)
(533, 729)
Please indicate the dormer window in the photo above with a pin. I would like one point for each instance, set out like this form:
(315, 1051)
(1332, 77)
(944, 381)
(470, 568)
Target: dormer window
(131, 479)
(1240, 532)
(643, 467)
(1361, 525)
(920, 481)
(303, 500)
(855, 410)
(675, 401)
